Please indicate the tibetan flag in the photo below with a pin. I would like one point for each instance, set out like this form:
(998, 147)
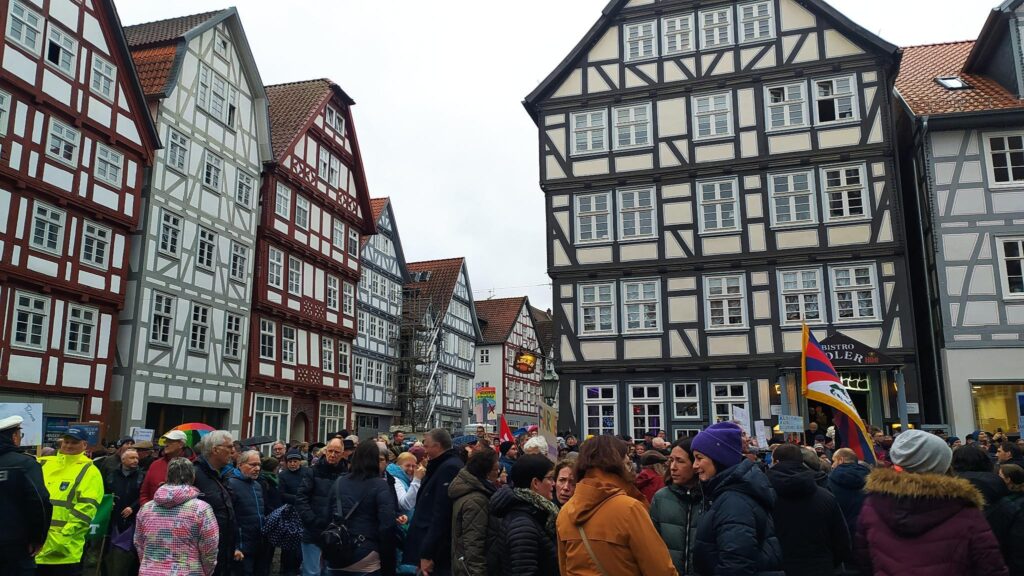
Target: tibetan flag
(821, 383)
(504, 432)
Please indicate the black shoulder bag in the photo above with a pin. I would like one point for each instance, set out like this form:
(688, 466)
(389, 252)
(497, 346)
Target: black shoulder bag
(337, 544)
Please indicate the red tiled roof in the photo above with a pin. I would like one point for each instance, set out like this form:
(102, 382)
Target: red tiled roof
(444, 275)
(544, 325)
(154, 66)
(376, 208)
(917, 86)
(291, 107)
(163, 31)
(497, 318)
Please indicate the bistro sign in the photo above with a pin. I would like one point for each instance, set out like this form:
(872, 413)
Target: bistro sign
(845, 352)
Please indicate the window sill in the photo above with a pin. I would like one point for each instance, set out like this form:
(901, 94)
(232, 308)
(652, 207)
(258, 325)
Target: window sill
(195, 352)
(713, 138)
(757, 41)
(641, 59)
(575, 154)
(720, 329)
(94, 266)
(166, 345)
(167, 254)
(68, 163)
(787, 129)
(640, 333)
(856, 321)
(795, 226)
(713, 233)
(590, 244)
(846, 220)
(633, 147)
(29, 348)
(679, 53)
(833, 123)
(723, 46)
(637, 239)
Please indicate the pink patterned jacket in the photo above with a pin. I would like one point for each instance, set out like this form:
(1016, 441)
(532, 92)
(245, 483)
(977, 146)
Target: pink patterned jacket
(176, 534)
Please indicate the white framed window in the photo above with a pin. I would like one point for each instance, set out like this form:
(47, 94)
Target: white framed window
(161, 319)
(332, 293)
(646, 408)
(335, 120)
(338, 234)
(593, 217)
(353, 242)
(31, 320)
(332, 419)
(835, 100)
(844, 193)
(327, 354)
(485, 356)
(1011, 266)
(728, 395)
(641, 306)
(206, 248)
(719, 206)
(61, 50)
(275, 268)
(272, 416)
(177, 150)
(792, 197)
(288, 344)
(712, 115)
(301, 212)
(283, 201)
(95, 245)
(725, 301)
(217, 96)
(109, 165)
(48, 228)
(25, 27)
(348, 303)
(597, 309)
(294, 276)
(640, 40)
(103, 77)
(854, 293)
(1005, 154)
(268, 339)
(213, 167)
(81, 331)
(686, 400)
(786, 106)
(343, 357)
(232, 336)
(677, 35)
(220, 45)
(199, 329)
(589, 132)
(801, 293)
(757, 21)
(334, 172)
(601, 409)
(239, 262)
(244, 186)
(632, 126)
(686, 432)
(323, 164)
(716, 28)
(63, 142)
(5, 111)
(637, 214)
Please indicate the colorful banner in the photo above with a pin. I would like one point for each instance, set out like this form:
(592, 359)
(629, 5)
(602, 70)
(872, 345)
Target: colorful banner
(484, 403)
(504, 432)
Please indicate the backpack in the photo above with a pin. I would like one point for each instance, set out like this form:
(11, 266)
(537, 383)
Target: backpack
(283, 528)
(337, 544)
(496, 543)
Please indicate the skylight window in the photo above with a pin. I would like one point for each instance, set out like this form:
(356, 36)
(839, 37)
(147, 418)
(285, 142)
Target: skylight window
(953, 83)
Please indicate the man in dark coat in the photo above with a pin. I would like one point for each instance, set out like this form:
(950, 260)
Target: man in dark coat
(801, 503)
(846, 482)
(289, 480)
(215, 452)
(124, 483)
(428, 543)
(249, 502)
(24, 503)
(313, 500)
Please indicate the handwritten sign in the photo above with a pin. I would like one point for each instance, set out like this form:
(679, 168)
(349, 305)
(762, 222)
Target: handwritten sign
(791, 423)
(32, 421)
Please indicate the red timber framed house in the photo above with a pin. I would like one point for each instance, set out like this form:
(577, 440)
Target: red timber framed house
(507, 329)
(75, 142)
(314, 209)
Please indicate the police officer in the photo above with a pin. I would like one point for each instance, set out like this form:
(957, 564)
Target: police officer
(76, 487)
(24, 504)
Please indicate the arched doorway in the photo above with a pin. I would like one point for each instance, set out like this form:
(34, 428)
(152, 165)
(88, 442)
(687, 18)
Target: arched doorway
(300, 428)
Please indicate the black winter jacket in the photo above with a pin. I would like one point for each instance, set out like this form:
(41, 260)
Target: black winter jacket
(990, 485)
(800, 503)
(271, 486)
(373, 519)
(847, 485)
(531, 550)
(289, 482)
(247, 498)
(125, 489)
(216, 494)
(430, 531)
(25, 507)
(736, 535)
(1007, 521)
(314, 497)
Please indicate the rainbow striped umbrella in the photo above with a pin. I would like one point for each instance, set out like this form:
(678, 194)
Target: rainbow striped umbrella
(194, 431)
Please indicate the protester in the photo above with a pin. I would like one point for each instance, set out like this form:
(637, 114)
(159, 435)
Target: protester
(973, 464)
(146, 457)
(112, 462)
(408, 475)
(1009, 453)
(509, 453)
(471, 492)
(156, 473)
(565, 481)
(397, 444)
(289, 480)
(215, 450)
(536, 445)
(528, 518)
(846, 482)
(429, 539)
(676, 509)
(313, 500)
(735, 534)
(652, 473)
(25, 507)
(572, 444)
(279, 450)
(1007, 519)
(248, 501)
(619, 535)
(177, 533)
(801, 502)
(918, 520)
(124, 483)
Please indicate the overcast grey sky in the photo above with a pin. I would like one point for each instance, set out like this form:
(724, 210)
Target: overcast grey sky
(438, 87)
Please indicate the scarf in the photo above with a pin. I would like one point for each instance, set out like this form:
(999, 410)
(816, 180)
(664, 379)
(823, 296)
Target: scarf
(399, 474)
(541, 503)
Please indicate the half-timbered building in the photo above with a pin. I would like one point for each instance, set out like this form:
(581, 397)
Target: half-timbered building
(314, 208)
(716, 174)
(442, 288)
(962, 138)
(76, 139)
(507, 329)
(183, 341)
(379, 311)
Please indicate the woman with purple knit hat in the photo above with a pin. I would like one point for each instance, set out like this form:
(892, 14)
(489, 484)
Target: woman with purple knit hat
(735, 534)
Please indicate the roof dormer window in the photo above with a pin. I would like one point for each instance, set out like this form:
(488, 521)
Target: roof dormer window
(953, 83)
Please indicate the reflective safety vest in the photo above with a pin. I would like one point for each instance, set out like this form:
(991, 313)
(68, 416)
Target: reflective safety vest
(76, 487)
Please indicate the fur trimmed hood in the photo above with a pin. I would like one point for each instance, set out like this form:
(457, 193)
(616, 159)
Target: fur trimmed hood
(912, 504)
(929, 486)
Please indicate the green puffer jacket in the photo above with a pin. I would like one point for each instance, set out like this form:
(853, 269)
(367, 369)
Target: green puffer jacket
(470, 518)
(675, 511)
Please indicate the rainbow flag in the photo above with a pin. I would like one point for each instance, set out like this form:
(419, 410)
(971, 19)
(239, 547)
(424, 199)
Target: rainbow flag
(821, 383)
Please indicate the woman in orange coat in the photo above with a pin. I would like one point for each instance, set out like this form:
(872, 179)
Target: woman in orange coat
(605, 528)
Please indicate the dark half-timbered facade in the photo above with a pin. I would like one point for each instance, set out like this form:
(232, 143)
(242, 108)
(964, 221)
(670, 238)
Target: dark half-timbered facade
(314, 208)
(507, 328)
(716, 174)
(76, 140)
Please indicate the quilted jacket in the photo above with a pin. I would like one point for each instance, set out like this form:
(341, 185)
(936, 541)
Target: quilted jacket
(177, 534)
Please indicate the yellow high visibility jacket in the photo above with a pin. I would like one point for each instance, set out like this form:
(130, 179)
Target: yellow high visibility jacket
(76, 488)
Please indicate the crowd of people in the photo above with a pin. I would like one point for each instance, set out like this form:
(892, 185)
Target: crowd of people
(712, 504)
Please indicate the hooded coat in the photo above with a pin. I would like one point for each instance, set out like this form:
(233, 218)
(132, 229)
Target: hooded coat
(648, 482)
(529, 547)
(800, 503)
(249, 503)
(176, 534)
(924, 524)
(846, 482)
(615, 517)
(675, 512)
(470, 519)
(736, 534)
(76, 488)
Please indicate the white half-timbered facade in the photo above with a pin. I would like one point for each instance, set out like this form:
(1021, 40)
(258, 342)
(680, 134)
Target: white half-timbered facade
(507, 328)
(183, 342)
(76, 140)
(717, 173)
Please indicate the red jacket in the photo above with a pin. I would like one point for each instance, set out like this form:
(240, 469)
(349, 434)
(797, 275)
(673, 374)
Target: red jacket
(649, 482)
(155, 476)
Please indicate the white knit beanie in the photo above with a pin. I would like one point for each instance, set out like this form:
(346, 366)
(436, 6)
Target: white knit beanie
(920, 452)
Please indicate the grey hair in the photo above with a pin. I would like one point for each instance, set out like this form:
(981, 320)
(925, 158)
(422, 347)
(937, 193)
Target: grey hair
(125, 453)
(248, 454)
(281, 442)
(538, 444)
(212, 440)
(180, 472)
(442, 437)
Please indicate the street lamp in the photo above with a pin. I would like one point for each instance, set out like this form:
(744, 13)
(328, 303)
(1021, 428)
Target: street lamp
(549, 387)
